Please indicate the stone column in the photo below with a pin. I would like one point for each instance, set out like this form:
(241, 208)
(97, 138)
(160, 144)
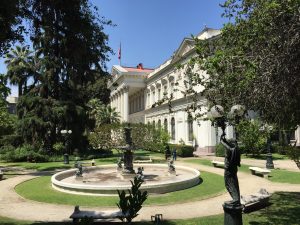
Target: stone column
(125, 104)
(150, 98)
(145, 99)
(168, 87)
(119, 104)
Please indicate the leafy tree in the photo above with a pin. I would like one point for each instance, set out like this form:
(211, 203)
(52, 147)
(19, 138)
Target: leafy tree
(71, 52)
(102, 114)
(252, 137)
(19, 64)
(11, 14)
(4, 90)
(7, 121)
(255, 61)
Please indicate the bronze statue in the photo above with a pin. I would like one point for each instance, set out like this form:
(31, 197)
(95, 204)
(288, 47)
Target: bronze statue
(232, 161)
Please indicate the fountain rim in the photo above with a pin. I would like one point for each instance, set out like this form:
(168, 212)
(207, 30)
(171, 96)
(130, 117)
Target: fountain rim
(76, 188)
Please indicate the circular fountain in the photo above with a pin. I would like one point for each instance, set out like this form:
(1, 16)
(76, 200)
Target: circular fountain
(106, 179)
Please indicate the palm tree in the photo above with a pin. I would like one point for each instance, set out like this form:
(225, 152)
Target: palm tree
(101, 113)
(18, 63)
(107, 115)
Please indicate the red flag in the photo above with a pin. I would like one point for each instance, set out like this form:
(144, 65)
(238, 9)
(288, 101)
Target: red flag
(119, 54)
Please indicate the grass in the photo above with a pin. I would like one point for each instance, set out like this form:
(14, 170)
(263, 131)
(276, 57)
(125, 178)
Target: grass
(39, 189)
(277, 175)
(276, 156)
(49, 166)
(284, 209)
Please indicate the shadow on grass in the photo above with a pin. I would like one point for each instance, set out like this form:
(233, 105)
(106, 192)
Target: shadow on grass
(284, 210)
(95, 223)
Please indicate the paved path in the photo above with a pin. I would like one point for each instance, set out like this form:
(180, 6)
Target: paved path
(14, 206)
(286, 164)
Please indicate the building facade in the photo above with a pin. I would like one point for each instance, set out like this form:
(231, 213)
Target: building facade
(136, 90)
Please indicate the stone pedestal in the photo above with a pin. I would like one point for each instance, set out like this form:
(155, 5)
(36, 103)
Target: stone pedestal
(269, 164)
(232, 214)
(128, 163)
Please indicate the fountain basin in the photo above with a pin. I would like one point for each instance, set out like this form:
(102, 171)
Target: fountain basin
(106, 180)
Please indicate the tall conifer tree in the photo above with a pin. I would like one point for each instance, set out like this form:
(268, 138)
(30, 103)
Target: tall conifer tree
(72, 50)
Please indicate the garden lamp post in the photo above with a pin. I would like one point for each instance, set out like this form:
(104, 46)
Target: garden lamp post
(269, 162)
(232, 209)
(67, 134)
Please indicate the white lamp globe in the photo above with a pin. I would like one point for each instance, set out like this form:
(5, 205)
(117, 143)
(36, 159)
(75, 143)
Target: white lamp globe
(216, 111)
(237, 110)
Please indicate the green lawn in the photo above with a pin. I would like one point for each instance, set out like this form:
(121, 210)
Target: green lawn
(39, 189)
(277, 175)
(283, 210)
(48, 166)
(275, 156)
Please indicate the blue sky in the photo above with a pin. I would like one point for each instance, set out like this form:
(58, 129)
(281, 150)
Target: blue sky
(151, 30)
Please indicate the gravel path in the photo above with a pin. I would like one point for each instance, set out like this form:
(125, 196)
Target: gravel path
(14, 206)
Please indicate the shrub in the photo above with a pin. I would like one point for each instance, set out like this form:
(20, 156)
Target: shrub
(279, 149)
(107, 136)
(220, 150)
(182, 150)
(294, 153)
(132, 203)
(253, 139)
(6, 148)
(59, 147)
(12, 139)
(22, 154)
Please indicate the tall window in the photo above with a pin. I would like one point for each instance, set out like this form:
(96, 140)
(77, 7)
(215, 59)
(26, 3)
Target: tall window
(190, 127)
(158, 94)
(148, 99)
(165, 90)
(172, 87)
(173, 128)
(166, 125)
(153, 97)
(153, 123)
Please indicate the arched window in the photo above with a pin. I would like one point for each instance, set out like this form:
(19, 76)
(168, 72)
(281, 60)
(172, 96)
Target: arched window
(153, 123)
(173, 128)
(190, 127)
(166, 125)
(159, 124)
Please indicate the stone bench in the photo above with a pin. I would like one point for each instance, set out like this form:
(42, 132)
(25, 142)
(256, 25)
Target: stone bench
(78, 214)
(258, 170)
(255, 201)
(143, 159)
(217, 163)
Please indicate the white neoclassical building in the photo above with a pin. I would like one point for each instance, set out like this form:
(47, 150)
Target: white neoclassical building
(134, 90)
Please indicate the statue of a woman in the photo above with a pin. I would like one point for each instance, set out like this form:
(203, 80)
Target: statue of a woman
(232, 161)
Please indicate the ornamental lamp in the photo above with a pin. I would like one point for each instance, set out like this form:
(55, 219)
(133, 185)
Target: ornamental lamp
(237, 110)
(216, 111)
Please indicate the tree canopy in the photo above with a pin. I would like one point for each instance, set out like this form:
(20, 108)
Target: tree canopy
(255, 61)
(64, 70)
(11, 14)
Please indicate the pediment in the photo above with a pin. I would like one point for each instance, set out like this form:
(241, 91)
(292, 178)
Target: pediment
(116, 70)
(186, 45)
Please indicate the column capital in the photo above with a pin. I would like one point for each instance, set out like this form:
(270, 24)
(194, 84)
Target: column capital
(125, 88)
